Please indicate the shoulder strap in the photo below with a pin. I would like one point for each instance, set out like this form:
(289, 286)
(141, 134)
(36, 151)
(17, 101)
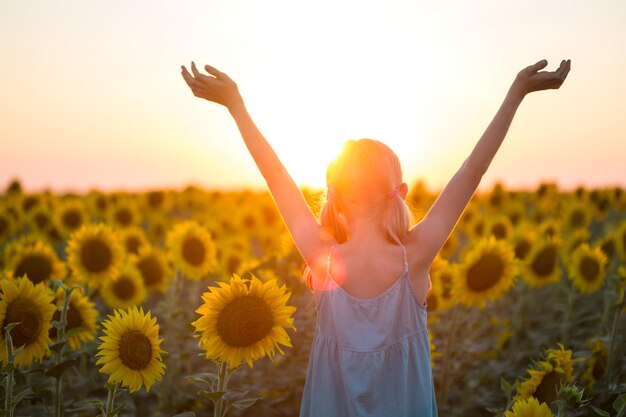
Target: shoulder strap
(406, 262)
(328, 261)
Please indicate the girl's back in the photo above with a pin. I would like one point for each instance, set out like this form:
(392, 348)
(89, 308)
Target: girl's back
(371, 351)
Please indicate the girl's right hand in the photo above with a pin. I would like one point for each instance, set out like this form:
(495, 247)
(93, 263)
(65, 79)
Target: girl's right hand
(529, 80)
(217, 87)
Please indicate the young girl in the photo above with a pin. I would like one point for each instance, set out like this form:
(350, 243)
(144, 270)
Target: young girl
(368, 267)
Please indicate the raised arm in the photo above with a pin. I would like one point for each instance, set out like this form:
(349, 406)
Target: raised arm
(302, 224)
(430, 234)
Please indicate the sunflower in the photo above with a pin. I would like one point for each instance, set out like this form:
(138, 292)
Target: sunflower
(7, 224)
(443, 275)
(486, 272)
(573, 240)
(450, 246)
(433, 352)
(30, 305)
(578, 215)
(523, 239)
(36, 259)
(608, 244)
(124, 213)
(541, 265)
(94, 253)
(70, 215)
(130, 350)
(98, 203)
(529, 407)
(500, 227)
(192, 250)
(157, 227)
(550, 227)
(587, 268)
(40, 219)
(154, 268)
(157, 200)
(595, 367)
(125, 289)
(133, 238)
(81, 313)
(543, 383)
(244, 320)
(232, 254)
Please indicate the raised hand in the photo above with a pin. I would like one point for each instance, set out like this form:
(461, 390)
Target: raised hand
(217, 87)
(529, 79)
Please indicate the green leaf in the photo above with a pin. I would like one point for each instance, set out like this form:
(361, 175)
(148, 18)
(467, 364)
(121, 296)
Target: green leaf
(242, 399)
(57, 371)
(207, 378)
(89, 404)
(57, 346)
(185, 414)
(506, 386)
(620, 403)
(72, 332)
(213, 396)
(116, 410)
(11, 326)
(600, 412)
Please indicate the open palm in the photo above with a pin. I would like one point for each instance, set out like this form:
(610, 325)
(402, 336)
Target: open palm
(217, 87)
(531, 79)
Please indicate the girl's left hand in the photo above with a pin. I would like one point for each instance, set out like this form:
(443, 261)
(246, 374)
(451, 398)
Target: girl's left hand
(217, 87)
(531, 79)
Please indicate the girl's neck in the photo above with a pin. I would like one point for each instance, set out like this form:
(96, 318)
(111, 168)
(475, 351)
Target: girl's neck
(366, 230)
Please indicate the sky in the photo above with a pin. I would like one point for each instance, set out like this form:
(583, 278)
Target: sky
(92, 95)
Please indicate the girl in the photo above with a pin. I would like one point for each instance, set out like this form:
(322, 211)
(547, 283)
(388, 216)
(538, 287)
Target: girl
(368, 268)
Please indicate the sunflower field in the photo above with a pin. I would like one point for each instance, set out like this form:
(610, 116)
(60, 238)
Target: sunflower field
(192, 303)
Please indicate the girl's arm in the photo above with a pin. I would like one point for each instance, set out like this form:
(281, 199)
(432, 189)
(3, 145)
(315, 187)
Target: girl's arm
(430, 234)
(301, 222)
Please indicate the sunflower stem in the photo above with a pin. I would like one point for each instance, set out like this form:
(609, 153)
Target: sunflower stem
(110, 400)
(565, 324)
(8, 398)
(222, 382)
(58, 391)
(611, 353)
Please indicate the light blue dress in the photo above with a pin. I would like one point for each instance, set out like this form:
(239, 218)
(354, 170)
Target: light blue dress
(370, 357)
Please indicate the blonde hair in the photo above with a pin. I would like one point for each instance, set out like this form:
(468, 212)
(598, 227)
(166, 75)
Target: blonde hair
(363, 181)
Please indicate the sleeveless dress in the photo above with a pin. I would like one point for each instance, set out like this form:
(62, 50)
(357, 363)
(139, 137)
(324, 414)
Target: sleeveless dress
(370, 357)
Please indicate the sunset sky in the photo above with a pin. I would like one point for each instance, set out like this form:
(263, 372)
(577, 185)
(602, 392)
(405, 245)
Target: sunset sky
(92, 96)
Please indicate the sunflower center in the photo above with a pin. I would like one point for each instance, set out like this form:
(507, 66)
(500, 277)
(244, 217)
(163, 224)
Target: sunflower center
(101, 203)
(36, 266)
(599, 366)
(151, 270)
(577, 219)
(589, 269)
(72, 219)
(545, 261)
(124, 217)
(26, 312)
(499, 231)
(485, 273)
(155, 199)
(546, 390)
(4, 226)
(96, 255)
(41, 219)
(132, 244)
(522, 248)
(193, 250)
(123, 288)
(135, 350)
(244, 321)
